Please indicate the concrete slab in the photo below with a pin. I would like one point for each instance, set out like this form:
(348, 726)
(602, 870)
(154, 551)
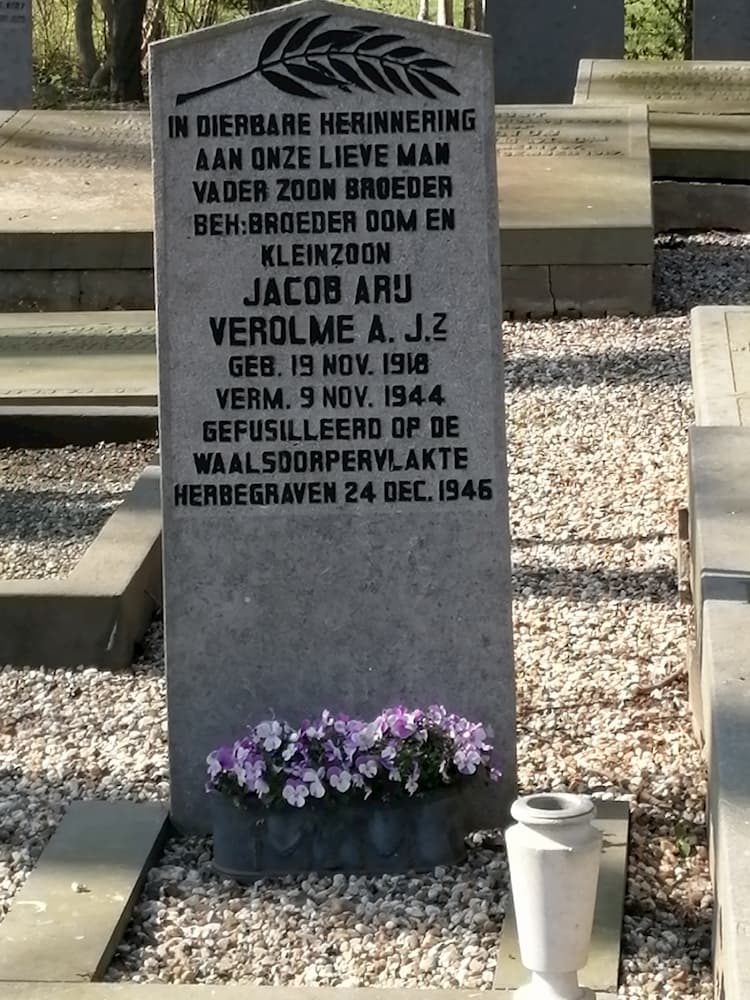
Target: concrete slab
(51, 290)
(526, 292)
(557, 168)
(84, 359)
(77, 191)
(719, 473)
(537, 291)
(720, 365)
(34, 426)
(726, 701)
(67, 920)
(701, 205)
(699, 112)
(602, 289)
(96, 615)
(602, 969)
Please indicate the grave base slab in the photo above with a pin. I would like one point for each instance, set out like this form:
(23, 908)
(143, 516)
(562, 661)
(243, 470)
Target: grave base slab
(52, 426)
(68, 290)
(539, 291)
(701, 205)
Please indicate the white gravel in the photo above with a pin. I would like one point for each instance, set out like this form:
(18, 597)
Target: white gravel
(54, 501)
(598, 413)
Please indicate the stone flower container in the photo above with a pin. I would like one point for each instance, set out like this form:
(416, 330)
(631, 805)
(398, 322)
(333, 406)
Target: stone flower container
(553, 856)
(341, 795)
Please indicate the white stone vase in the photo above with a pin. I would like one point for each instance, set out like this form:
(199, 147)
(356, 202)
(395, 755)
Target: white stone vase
(553, 854)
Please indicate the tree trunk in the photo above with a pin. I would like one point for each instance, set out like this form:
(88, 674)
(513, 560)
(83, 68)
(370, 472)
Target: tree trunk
(88, 60)
(479, 6)
(127, 30)
(444, 12)
(424, 10)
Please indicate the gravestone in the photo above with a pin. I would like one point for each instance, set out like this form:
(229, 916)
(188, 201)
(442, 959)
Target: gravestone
(77, 219)
(15, 54)
(331, 386)
(570, 247)
(699, 118)
(721, 29)
(538, 44)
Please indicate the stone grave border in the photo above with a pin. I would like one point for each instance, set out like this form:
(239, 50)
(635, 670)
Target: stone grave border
(80, 896)
(44, 419)
(49, 426)
(96, 614)
(718, 656)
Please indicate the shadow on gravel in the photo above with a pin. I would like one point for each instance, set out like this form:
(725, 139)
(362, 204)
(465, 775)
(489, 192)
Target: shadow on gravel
(711, 272)
(609, 367)
(589, 584)
(32, 514)
(629, 540)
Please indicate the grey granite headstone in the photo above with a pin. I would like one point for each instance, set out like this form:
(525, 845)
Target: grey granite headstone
(538, 44)
(15, 53)
(721, 29)
(331, 385)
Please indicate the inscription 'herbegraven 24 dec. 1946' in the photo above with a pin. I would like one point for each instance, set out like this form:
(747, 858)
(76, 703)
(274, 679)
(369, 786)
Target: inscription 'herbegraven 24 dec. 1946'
(335, 369)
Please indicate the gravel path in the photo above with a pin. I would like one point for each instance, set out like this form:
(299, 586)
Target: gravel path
(55, 501)
(598, 412)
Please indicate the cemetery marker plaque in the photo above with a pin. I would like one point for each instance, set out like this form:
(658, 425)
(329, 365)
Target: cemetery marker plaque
(331, 389)
(15, 54)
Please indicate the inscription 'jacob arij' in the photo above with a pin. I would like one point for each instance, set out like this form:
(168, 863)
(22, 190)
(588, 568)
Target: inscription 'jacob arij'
(328, 323)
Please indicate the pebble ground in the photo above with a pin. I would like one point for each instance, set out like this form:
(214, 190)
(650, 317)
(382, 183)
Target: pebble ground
(54, 501)
(598, 414)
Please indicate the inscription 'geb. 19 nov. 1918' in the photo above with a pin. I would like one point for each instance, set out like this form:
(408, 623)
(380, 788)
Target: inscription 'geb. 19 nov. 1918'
(328, 323)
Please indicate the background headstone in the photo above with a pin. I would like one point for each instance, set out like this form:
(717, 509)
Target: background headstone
(538, 44)
(721, 29)
(699, 112)
(15, 54)
(570, 246)
(327, 306)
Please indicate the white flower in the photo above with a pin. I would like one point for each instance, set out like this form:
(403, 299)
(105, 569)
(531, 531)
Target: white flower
(339, 779)
(467, 760)
(295, 793)
(269, 733)
(368, 767)
(313, 782)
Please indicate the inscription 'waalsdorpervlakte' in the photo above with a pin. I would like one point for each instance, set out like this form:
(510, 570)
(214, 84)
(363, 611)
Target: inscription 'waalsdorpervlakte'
(335, 363)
